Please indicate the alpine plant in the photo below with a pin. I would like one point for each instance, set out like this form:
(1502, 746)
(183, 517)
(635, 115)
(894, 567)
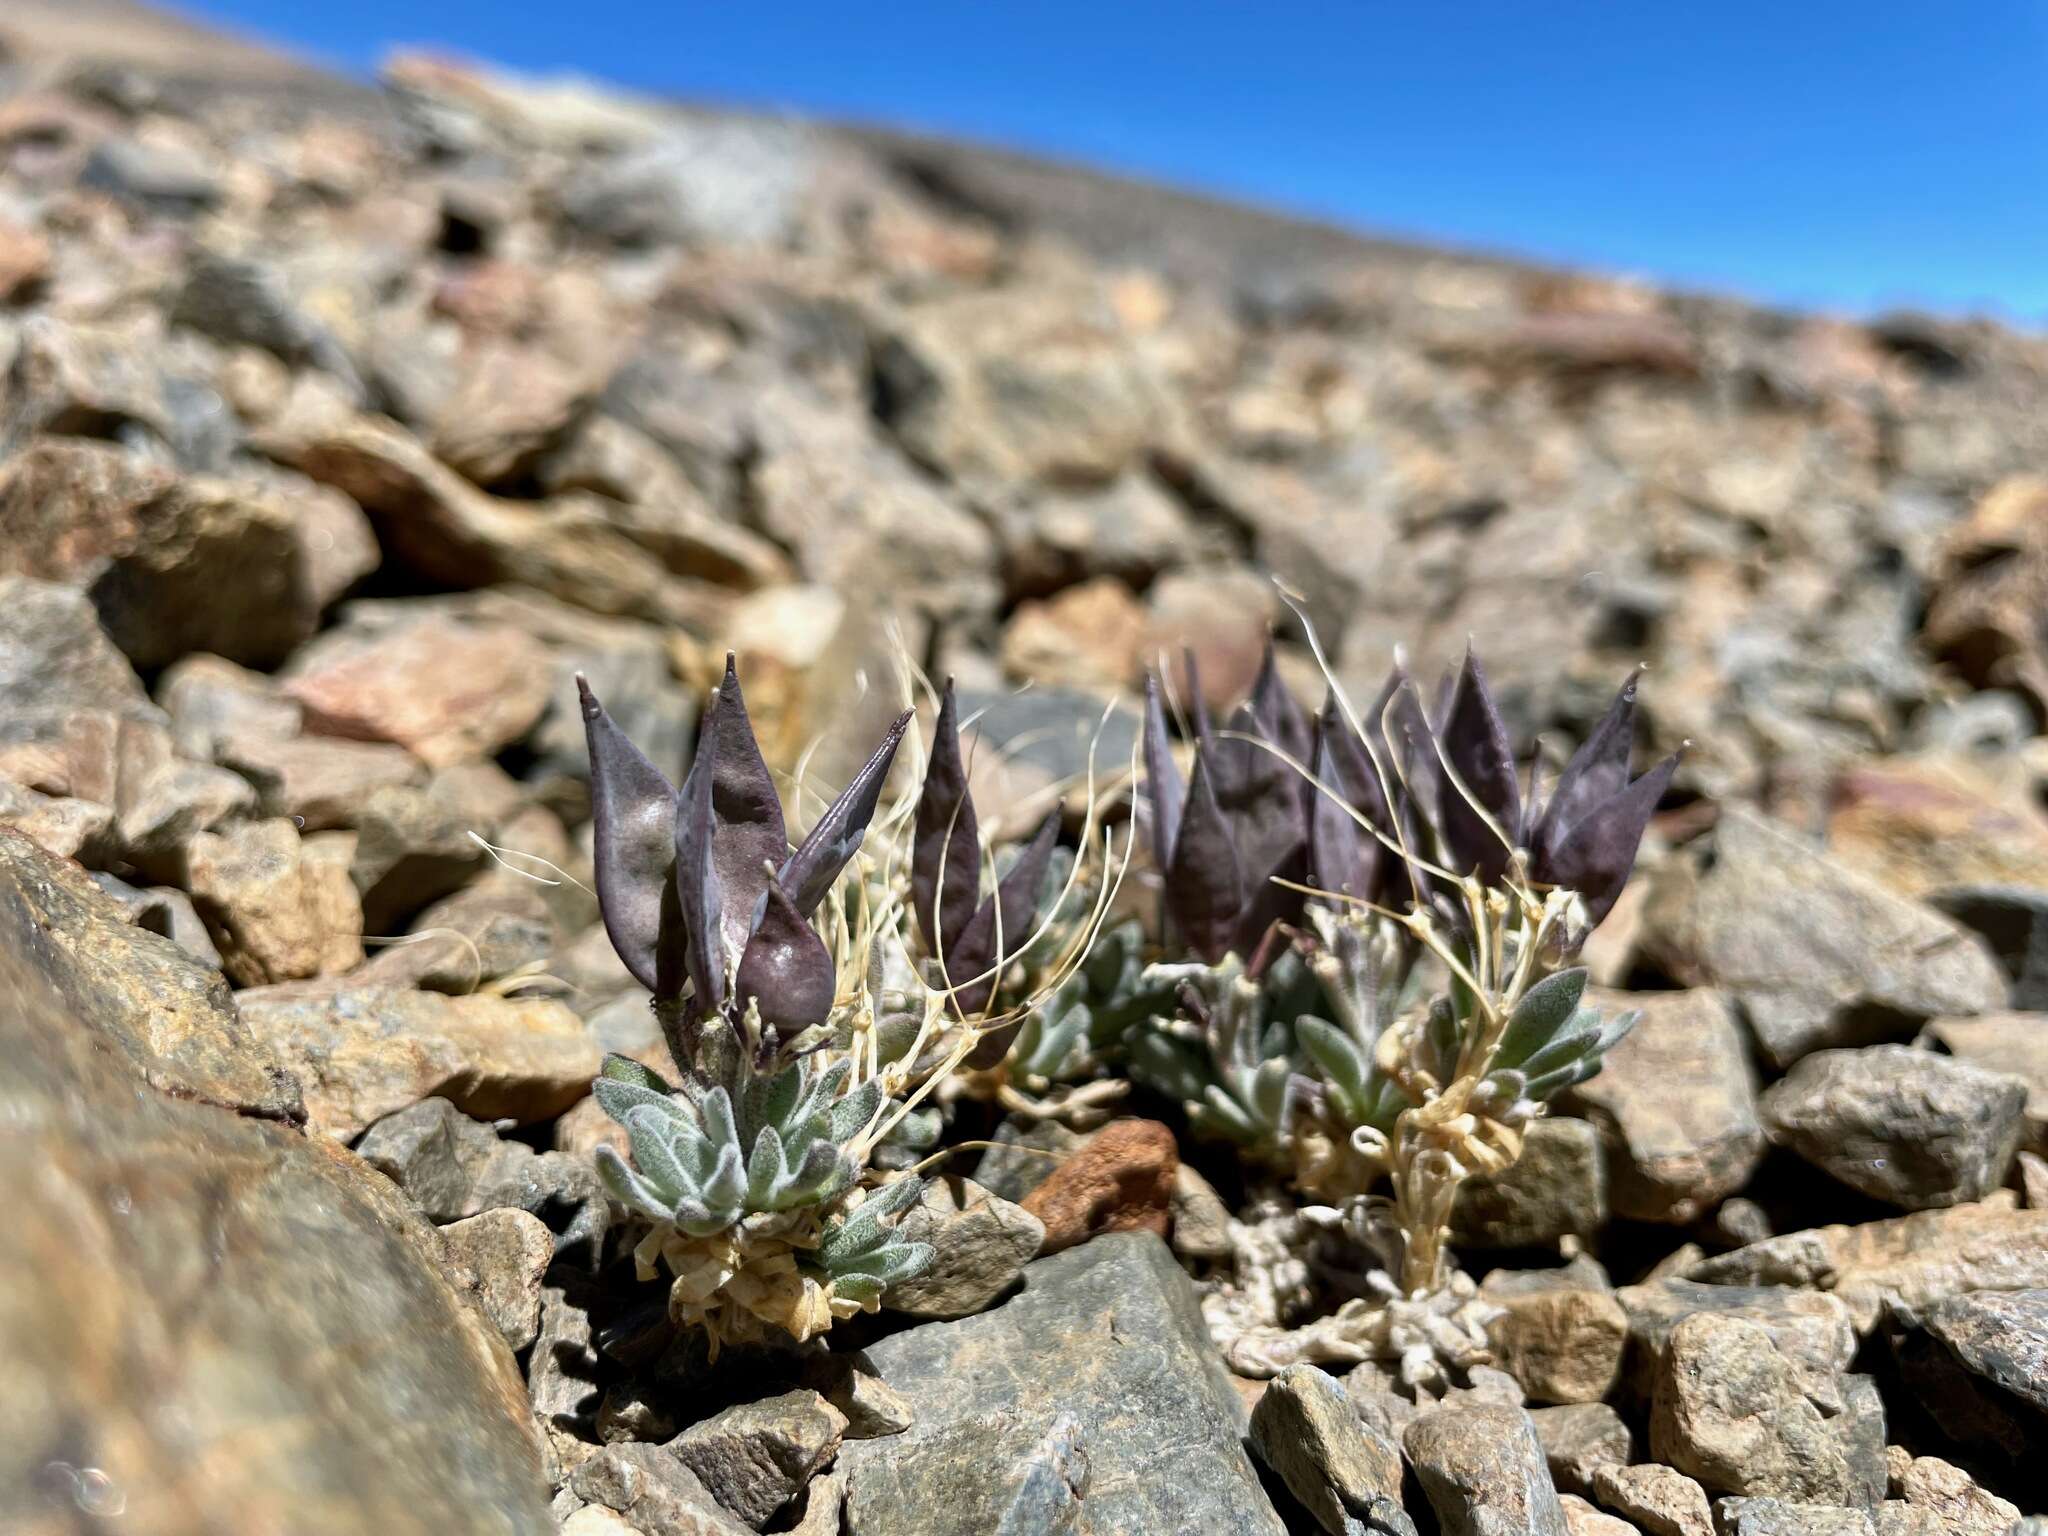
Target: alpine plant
(1377, 929)
(749, 1169)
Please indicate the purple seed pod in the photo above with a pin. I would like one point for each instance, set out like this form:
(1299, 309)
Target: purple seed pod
(1587, 836)
(1475, 743)
(958, 924)
(690, 881)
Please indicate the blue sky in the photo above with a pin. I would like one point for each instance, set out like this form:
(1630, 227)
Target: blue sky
(1851, 157)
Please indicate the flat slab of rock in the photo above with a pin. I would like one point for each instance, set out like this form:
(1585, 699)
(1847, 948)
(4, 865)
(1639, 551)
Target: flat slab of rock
(170, 1018)
(216, 1324)
(1901, 1266)
(1098, 1379)
(365, 1054)
(983, 1243)
(1817, 954)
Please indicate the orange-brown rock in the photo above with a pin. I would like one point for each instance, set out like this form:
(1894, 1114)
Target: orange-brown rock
(1120, 1181)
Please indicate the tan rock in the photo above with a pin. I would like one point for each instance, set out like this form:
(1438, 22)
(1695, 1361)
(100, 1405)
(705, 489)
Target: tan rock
(1089, 636)
(1676, 1105)
(1990, 586)
(1661, 1502)
(2012, 1043)
(498, 1257)
(1911, 1262)
(1958, 1505)
(1582, 1519)
(364, 1054)
(169, 1019)
(1815, 953)
(275, 914)
(303, 1349)
(445, 691)
(1559, 1335)
(1922, 824)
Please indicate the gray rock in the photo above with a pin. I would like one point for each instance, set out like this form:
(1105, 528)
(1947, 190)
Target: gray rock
(1155, 1416)
(1579, 1439)
(2013, 920)
(435, 1153)
(562, 1374)
(1783, 1517)
(1341, 1470)
(726, 181)
(56, 662)
(1729, 1409)
(1675, 1103)
(148, 1002)
(1558, 1188)
(286, 1309)
(1816, 954)
(1018, 1163)
(756, 1457)
(319, 782)
(499, 1257)
(983, 1244)
(1484, 1471)
(164, 910)
(655, 1492)
(1979, 1365)
(210, 699)
(157, 177)
(849, 1383)
(1909, 1127)
(2012, 1044)
(173, 803)
(247, 302)
(412, 847)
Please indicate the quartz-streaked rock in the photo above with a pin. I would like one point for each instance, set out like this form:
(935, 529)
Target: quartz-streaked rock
(1151, 1413)
(1483, 1469)
(1912, 1128)
(1816, 955)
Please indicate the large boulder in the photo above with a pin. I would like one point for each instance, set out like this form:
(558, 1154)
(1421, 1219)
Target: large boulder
(214, 1325)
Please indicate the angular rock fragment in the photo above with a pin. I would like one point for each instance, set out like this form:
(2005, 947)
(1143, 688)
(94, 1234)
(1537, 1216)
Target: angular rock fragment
(1154, 1418)
(1912, 1128)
